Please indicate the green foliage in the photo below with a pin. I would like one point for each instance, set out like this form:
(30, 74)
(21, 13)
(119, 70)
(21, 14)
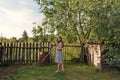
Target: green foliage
(67, 19)
(13, 39)
(39, 33)
(42, 33)
(25, 36)
(3, 39)
(112, 56)
(105, 17)
(84, 20)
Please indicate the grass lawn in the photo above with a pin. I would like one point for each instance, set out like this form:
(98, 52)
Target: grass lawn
(72, 72)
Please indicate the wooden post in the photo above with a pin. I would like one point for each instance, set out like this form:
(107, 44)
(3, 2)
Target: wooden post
(40, 49)
(19, 56)
(43, 47)
(7, 53)
(16, 52)
(26, 52)
(23, 53)
(49, 52)
(30, 53)
(36, 52)
(11, 46)
(33, 52)
(65, 53)
(1, 53)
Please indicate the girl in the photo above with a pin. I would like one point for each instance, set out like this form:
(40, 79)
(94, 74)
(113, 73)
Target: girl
(59, 55)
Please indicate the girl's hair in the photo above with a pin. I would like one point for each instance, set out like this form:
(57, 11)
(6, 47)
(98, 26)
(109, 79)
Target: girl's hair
(60, 41)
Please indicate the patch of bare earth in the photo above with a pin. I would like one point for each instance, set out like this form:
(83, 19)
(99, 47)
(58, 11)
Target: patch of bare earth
(9, 70)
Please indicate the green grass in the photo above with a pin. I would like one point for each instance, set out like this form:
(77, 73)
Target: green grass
(72, 72)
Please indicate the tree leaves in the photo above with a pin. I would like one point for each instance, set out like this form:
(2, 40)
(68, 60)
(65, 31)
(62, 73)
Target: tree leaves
(99, 18)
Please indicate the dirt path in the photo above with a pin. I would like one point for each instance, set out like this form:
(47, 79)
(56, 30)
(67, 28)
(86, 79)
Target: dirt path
(6, 71)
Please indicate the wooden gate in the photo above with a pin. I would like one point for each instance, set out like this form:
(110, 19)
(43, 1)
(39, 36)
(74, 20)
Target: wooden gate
(71, 52)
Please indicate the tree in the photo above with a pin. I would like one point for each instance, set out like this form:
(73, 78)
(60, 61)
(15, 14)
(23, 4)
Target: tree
(68, 18)
(42, 33)
(3, 39)
(105, 16)
(13, 39)
(86, 20)
(24, 37)
(65, 18)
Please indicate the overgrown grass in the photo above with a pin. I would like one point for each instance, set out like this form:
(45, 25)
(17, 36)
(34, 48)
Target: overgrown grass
(72, 72)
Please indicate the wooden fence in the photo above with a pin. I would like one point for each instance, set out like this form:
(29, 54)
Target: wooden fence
(70, 52)
(28, 53)
(25, 53)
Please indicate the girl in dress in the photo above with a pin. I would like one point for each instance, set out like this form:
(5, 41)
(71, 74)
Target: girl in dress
(59, 55)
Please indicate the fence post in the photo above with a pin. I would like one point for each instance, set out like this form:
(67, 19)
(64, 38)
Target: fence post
(1, 53)
(11, 54)
(49, 52)
(23, 53)
(36, 52)
(19, 52)
(30, 53)
(26, 45)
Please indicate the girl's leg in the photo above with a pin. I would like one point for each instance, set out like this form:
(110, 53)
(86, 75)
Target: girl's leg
(62, 65)
(58, 67)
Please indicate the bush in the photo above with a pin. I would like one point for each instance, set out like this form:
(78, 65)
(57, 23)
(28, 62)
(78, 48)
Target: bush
(112, 55)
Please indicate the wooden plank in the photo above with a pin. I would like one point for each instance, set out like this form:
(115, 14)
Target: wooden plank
(7, 47)
(13, 53)
(30, 53)
(36, 52)
(26, 52)
(11, 45)
(65, 54)
(43, 47)
(39, 49)
(33, 52)
(49, 52)
(19, 52)
(16, 52)
(0, 53)
(23, 53)
(5, 55)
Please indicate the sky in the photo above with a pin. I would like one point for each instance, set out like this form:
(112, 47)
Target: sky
(17, 16)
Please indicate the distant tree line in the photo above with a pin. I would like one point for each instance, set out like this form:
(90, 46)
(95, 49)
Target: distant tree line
(37, 37)
(24, 38)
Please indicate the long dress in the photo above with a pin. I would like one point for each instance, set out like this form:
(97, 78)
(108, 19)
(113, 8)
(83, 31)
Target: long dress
(59, 55)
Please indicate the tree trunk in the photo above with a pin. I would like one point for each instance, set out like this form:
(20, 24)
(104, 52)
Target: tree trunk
(84, 54)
